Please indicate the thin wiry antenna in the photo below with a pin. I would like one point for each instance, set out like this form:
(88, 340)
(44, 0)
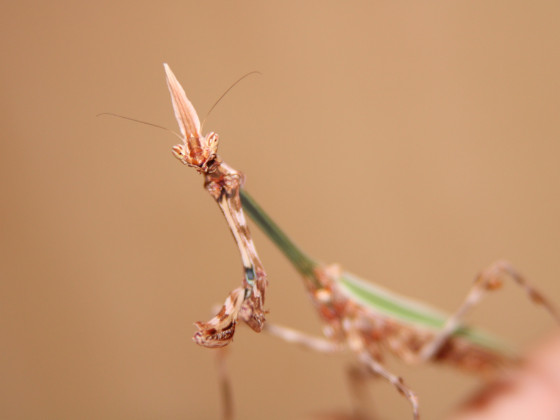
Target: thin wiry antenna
(141, 122)
(225, 93)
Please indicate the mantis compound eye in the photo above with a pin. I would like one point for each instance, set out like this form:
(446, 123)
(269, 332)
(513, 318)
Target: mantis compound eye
(212, 141)
(180, 152)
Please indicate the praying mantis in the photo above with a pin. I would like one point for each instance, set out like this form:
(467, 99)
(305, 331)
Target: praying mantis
(357, 316)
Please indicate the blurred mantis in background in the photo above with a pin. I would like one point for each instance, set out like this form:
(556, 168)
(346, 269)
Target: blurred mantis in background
(358, 316)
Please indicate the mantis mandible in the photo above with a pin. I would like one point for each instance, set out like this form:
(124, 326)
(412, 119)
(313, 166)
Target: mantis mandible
(357, 316)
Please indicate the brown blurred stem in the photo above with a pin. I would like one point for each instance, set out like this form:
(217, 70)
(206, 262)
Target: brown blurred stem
(225, 383)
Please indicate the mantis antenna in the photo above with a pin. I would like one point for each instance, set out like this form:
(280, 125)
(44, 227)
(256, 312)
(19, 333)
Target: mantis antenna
(141, 122)
(207, 114)
(226, 92)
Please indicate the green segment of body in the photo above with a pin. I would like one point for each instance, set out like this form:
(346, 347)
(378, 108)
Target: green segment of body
(376, 299)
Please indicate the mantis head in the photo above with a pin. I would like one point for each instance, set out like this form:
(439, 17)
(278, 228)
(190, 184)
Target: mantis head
(199, 153)
(196, 150)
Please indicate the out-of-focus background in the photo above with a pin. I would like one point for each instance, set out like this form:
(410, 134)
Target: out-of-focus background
(413, 143)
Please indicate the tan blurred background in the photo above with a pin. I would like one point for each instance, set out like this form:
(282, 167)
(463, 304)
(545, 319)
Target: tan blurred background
(414, 143)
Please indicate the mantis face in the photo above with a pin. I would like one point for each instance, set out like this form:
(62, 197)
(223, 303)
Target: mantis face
(203, 159)
(197, 150)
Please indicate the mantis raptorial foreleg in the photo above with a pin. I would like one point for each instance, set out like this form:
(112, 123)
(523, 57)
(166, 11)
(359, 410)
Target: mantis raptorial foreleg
(488, 280)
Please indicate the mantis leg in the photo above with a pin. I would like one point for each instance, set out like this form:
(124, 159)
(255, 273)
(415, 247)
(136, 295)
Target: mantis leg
(488, 280)
(378, 369)
(358, 376)
(305, 340)
(370, 365)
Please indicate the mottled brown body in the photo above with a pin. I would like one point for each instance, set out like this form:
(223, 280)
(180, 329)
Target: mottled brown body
(347, 321)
